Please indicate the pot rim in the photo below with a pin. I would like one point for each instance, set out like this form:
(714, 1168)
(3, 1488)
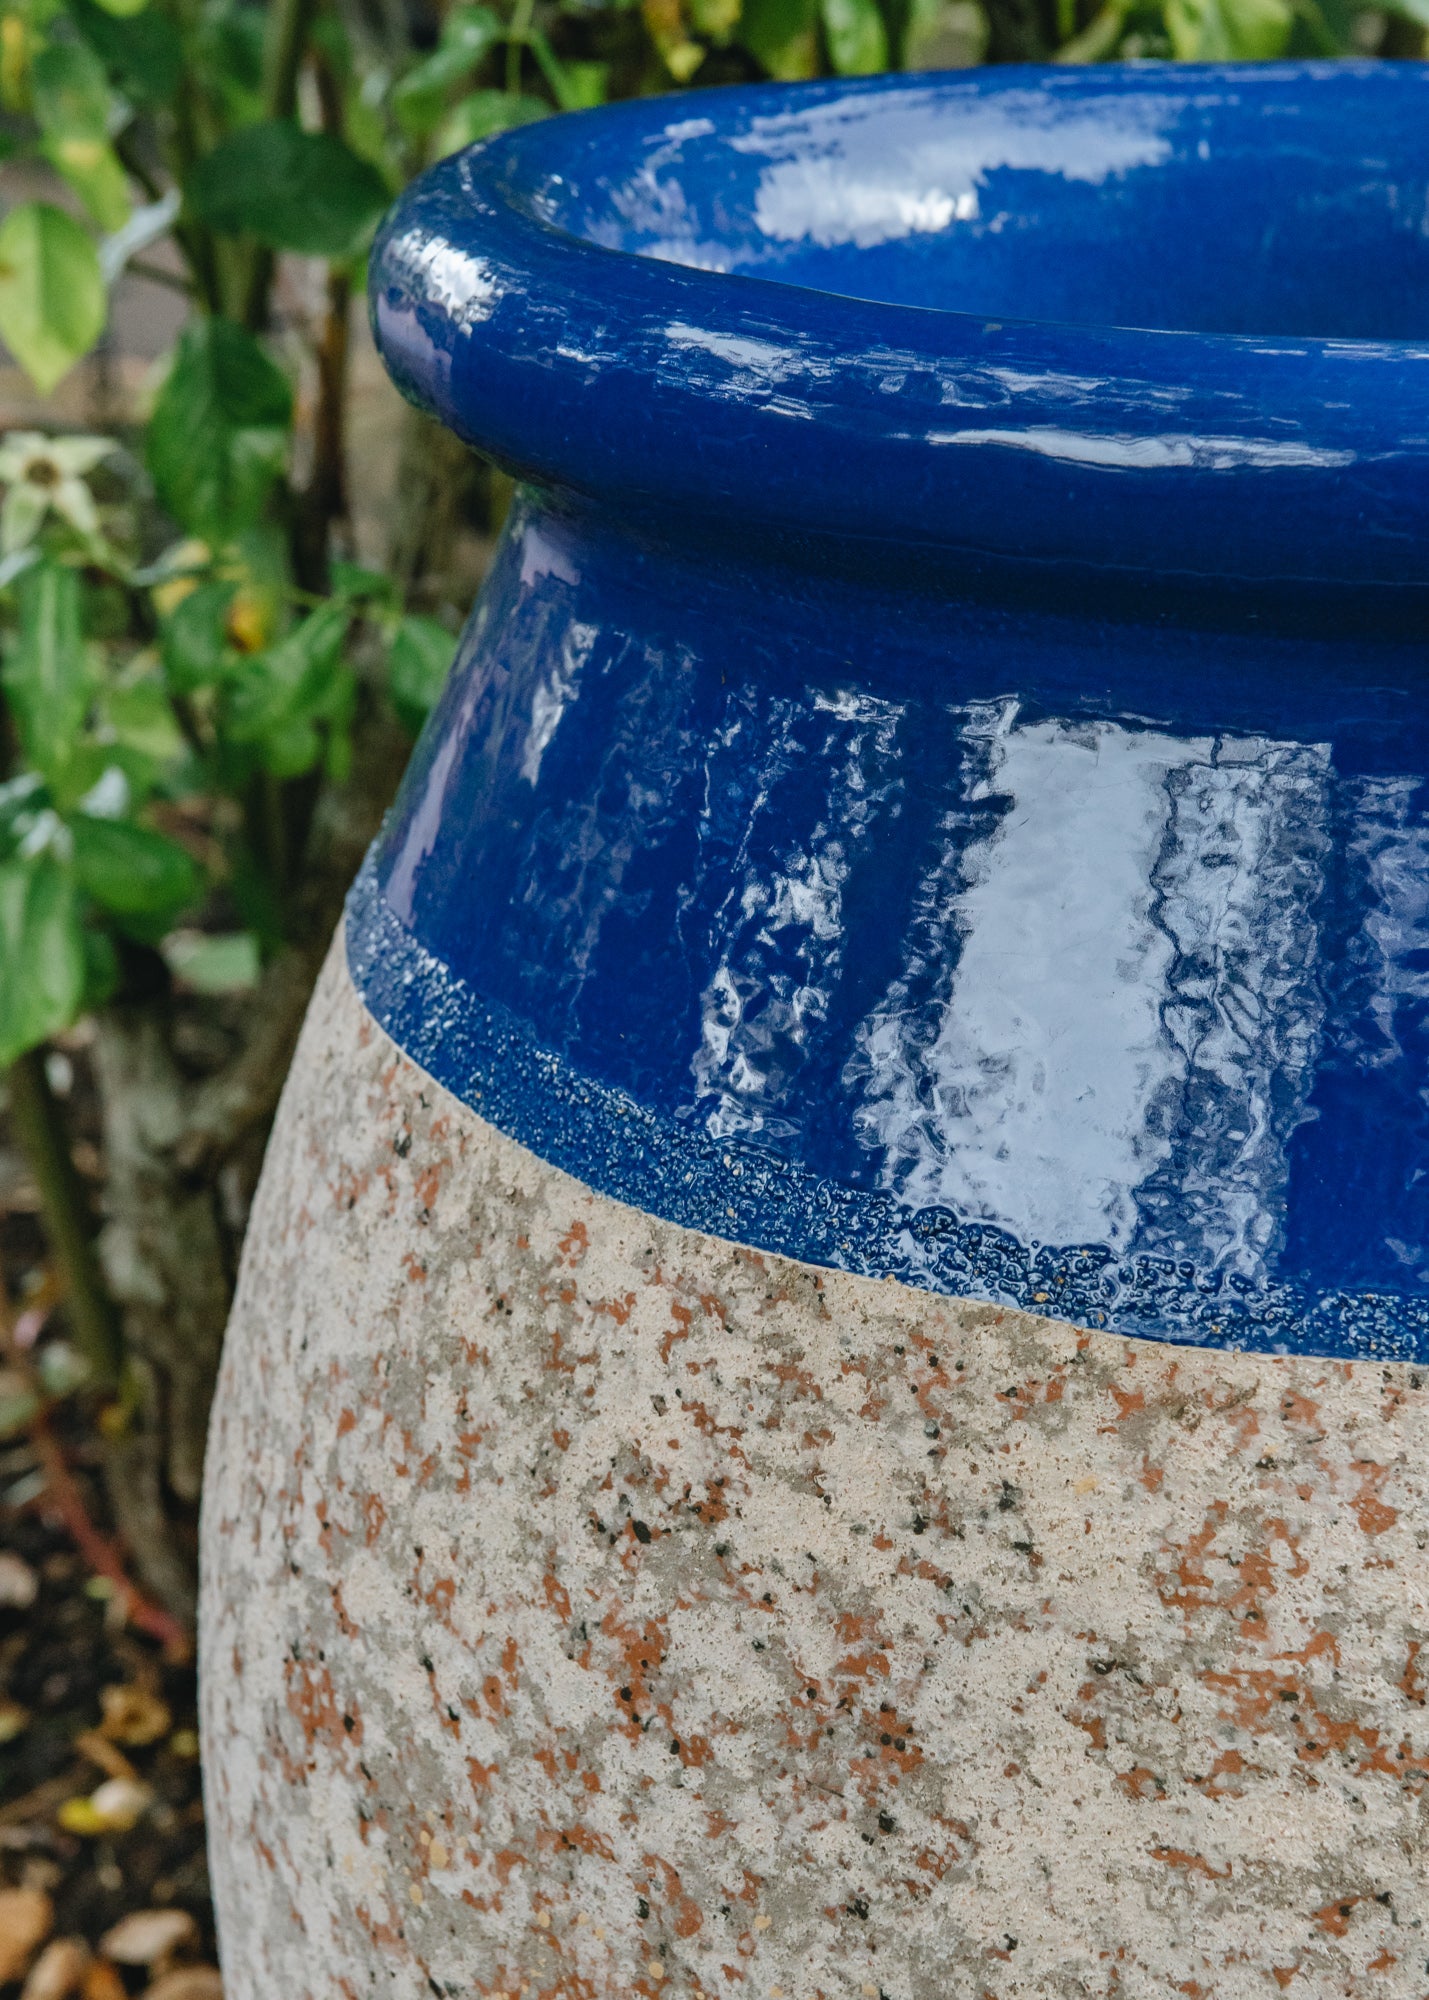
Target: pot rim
(688, 397)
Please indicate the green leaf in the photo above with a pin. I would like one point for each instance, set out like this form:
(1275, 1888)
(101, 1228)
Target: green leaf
(782, 35)
(468, 36)
(485, 112)
(227, 962)
(1228, 30)
(24, 803)
(94, 171)
(290, 189)
(224, 49)
(716, 20)
(140, 877)
(46, 672)
(584, 85)
(70, 90)
(352, 581)
(948, 34)
(137, 721)
(142, 52)
(857, 38)
(286, 696)
(52, 301)
(417, 668)
(42, 956)
(193, 641)
(72, 104)
(101, 970)
(218, 435)
(124, 8)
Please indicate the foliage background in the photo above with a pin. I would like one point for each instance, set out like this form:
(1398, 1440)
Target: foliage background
(222, 624)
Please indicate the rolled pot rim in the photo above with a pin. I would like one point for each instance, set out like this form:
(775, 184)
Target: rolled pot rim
(687, 398)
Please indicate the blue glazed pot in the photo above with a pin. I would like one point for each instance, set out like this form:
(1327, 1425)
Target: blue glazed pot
(825, 1396)
(935, 783)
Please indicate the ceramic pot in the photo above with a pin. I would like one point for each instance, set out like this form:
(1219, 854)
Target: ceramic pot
(826, 1391)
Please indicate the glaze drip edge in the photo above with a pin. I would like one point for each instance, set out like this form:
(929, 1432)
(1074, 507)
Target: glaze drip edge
(487, 1058)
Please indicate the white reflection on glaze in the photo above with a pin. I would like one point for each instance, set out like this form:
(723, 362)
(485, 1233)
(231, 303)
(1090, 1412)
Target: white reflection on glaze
(1214, 454)
(653, 207)
(755, 357)
(847, 179)
(543, 555)
(1236, 883)
(781, 936)
(1127, 1034)
(425, 828)
(755, 368)
(446, 275)
(1394, 852)
(553, 694)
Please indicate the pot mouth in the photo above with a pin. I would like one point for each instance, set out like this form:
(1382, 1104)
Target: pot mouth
(1168, 319)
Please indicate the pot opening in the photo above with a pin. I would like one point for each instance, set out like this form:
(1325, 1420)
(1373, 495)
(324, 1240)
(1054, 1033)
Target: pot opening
(1258, 201)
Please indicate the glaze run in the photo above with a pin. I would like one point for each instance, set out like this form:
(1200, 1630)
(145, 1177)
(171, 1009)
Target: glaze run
(597, 1609)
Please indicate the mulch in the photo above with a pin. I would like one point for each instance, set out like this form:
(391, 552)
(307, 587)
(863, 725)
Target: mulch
(63, 1737)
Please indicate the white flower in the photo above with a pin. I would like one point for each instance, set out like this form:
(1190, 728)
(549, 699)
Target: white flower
(43, 472)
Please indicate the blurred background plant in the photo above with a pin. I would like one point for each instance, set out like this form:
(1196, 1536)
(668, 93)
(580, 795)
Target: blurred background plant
(213, 663)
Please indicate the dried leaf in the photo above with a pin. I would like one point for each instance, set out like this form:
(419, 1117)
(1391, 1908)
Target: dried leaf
(58, 1972)
(118, 1804)
(102, 1982)
(19, 1586)
(99, 1750)
(27, 1916)
(193, 1982)
(133, 1716)
(14, 1719)
(146, 1936)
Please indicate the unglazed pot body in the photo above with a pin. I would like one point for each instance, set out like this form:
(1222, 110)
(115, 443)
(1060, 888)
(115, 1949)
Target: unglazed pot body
(827, 1392)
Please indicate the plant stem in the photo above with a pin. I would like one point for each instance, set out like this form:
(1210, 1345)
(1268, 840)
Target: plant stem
(515, 41)
(266, 828)
(289, 23)
(195, 239)
(325, 498)
(39, 1128)
(134, 165)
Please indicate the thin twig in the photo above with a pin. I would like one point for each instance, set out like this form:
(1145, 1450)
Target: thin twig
(156, 275)
(108, 1756)
(46, 1798)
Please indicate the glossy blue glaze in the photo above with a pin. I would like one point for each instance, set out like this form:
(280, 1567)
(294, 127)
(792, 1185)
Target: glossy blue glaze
(934, 793)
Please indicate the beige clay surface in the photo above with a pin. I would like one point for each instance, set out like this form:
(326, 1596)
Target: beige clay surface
(596, 1609)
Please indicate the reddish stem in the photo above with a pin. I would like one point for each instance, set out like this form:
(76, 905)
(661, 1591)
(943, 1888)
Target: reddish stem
(63, 1494)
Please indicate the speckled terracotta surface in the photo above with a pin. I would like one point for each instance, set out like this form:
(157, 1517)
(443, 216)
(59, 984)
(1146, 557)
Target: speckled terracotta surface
(597, 1609)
